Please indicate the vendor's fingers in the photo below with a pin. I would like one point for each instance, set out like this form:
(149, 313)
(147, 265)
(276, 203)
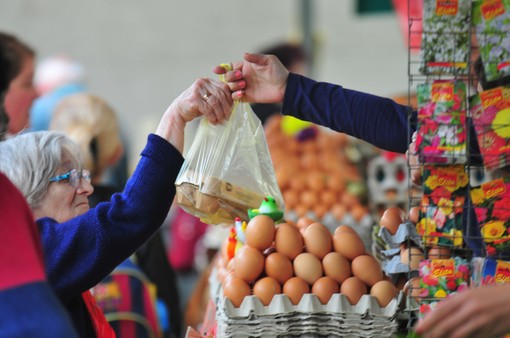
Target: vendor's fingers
(475, 327)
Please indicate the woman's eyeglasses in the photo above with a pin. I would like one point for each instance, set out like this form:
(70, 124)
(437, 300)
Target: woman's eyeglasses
(73, 176)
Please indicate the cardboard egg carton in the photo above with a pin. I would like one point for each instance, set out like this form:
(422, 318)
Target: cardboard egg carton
(311, 318)
(406, 231)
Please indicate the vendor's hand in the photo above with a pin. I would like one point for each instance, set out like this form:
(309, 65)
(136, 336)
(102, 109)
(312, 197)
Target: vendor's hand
(260, 78)
(474, 313)
(206, 97)
(414, 163)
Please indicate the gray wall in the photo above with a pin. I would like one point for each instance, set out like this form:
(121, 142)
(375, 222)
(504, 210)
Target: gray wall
(140, 55)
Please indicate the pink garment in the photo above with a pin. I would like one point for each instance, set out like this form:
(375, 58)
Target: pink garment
(185, 231)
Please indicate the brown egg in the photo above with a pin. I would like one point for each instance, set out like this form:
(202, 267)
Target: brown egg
(336, 266)
(335, 182)
(308, 267)
(348, 245)
(367, 268)
(342, 228)
(348, 199)
(265, 289)
(439, 252)
(353, 288)
(236, 289)
(249, 263)
(392, 218)
(295, 288)
(260, 232)
(358, 212)
(288, 241)
(304, 222)
(279, 267)
(414, 214)
(309, 161)
(283, 176)
(324, 288)
(291, 199)
(309, 198)
(338, 210)
(316, 181)
(317, 240)
(412, 257)
(297, 183)
(384, 292)
(301, 210)
(327, 198)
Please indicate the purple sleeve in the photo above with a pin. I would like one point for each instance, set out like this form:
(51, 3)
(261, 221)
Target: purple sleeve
(376, 120)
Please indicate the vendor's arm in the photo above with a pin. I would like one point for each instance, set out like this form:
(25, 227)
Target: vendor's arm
(376, 120)
(379, 121)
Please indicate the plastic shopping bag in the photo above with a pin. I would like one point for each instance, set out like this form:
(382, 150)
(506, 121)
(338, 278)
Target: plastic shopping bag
(228, 169)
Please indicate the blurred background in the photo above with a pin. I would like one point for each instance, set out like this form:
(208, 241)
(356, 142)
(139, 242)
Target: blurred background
(140, 55)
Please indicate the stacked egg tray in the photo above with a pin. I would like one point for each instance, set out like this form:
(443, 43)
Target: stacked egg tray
(309, 318)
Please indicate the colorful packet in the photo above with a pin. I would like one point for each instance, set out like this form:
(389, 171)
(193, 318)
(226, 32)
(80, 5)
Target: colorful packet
(492, 23)
(490, 111)
(441, 136)
(441, 207)
(440, 278)
(445, 39)
(491, 202)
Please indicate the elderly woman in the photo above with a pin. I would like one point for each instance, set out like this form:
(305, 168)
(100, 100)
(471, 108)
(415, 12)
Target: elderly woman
(82, 245)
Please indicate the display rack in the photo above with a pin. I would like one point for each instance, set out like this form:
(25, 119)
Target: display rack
(471, 162)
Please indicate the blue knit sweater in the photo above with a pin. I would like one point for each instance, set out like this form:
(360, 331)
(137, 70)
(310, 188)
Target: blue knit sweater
(82, 251)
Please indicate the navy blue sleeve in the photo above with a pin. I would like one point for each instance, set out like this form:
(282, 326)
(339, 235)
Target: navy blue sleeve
(376, 120)
(82, 251)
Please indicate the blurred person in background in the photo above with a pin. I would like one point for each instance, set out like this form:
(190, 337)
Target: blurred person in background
(92, 123)
(55, 78)
(82, 245)
(21, 93)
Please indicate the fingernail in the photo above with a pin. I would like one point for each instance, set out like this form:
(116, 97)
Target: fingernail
(240, 93)
(238, 73)
(242, 84)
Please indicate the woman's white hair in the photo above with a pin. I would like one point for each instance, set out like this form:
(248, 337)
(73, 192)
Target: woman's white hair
(29, 160)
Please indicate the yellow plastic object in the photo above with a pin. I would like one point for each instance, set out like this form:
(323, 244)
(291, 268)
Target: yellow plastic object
(291, 125)
(227, 67)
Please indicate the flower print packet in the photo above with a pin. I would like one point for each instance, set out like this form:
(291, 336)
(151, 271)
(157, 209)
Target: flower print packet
(445, 38)
(441, 207)
(441, 136)
(440, 278)
(490, 111)
(491, 19)
(491, 202)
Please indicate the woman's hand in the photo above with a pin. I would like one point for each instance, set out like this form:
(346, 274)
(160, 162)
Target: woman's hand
(206, 97)
(260, 78)
(482, 312)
